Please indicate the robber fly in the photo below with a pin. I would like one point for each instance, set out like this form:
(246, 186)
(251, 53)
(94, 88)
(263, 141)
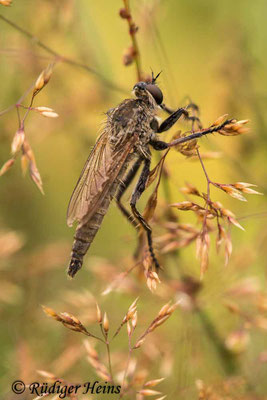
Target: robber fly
(120, 150)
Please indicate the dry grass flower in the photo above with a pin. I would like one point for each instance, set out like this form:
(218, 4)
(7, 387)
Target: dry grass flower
(132, 379)
(6, 2)
(19, 143)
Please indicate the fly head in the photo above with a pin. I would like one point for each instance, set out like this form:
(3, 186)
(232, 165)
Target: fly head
(143, 90)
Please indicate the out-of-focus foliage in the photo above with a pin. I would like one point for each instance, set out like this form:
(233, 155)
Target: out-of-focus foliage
(210, 51)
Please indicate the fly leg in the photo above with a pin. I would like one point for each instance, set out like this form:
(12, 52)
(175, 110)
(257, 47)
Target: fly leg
(190, 105)
(170, 121)
(125, 183)
(165, 125)
(139, 189)
(122, 188)
(160, 145)
(194, 118)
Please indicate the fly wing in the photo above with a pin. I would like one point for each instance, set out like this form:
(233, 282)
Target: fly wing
(99, 173)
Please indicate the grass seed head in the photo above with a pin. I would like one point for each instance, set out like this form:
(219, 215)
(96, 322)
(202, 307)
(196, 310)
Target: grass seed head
(139, 343)
(106, 323)
(8, 164)
(202, 249)
(6, 3)
(51, 313)
(129, 329)
(152, 280)
(94, 360)
(147, 260)
(189, 148)
(98, 314)
(43, 79)
(47, 375)
(220, 120)
(190, 189)
(229, 189)
(129, 315)
(134, 320)
(73, 323)
(234, 128)
(148, 392)
(49, 114)
(17, 141)
(251, 191)
(236, 223)
(164, 313)
(151, 205)
(164, 310)
(228, 248)
(35, 175)
(131, 311)
(153, 382)
(24, 163)
(42, 109)
(220, 237)
(183, 205)
(46, 112)
(68, 320)
(39, 84)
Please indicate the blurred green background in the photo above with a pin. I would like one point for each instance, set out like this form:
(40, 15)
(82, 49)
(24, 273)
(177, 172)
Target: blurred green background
(214, 52)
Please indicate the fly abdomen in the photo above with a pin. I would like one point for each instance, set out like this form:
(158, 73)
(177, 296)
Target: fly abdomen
(84, 236)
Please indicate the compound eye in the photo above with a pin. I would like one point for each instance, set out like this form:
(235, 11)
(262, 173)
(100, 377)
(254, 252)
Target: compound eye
(156, 92)
(140, 85)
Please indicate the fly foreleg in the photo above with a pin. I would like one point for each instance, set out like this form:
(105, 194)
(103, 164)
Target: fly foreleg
(139, 189)
(160, 145)
(172, 119)
(185, 113)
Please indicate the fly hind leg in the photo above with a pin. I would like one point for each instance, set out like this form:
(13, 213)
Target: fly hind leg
(125, 183)
(139, 189)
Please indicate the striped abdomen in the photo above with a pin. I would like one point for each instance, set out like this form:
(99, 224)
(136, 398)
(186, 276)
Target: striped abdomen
(85, 234)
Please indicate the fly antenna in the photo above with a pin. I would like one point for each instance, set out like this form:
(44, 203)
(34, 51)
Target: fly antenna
(156, 77)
